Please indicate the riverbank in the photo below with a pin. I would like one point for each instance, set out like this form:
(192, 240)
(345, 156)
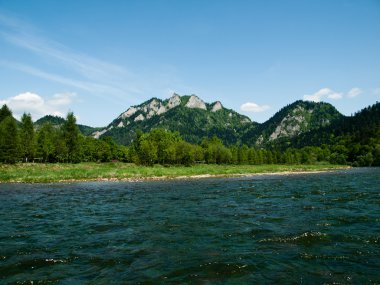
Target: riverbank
(48, 173)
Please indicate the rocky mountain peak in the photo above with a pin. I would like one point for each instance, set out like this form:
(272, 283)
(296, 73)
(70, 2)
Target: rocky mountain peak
(130, 112)
(292, 120)
(155, 107)
(217, 106)
(177, 113)
(174, 101)
(196, 103)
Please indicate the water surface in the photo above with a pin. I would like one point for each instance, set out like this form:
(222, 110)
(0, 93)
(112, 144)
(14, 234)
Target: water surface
(303, 229)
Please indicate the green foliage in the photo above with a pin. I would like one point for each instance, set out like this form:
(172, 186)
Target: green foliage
(86, 130)
(53, 120)
(90, 171)
(352, 140)
(46, 145)
(158, 146)
(27, 138)
(346, 140)
(192, 124)
(70, 134)
(301, 116)
(59, 121)
(4, 112)
(215, 151)
(184, 153)
(9, 140)
(9, 137)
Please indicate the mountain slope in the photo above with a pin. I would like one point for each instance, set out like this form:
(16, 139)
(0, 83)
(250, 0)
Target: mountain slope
(58, 121)
(189, 115)
(291, 121)
(363, 128)
(54, 120)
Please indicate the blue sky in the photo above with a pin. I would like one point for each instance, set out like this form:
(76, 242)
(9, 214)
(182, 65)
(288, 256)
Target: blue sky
(97, 58)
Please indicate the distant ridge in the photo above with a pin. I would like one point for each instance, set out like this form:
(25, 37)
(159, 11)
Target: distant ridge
(193, 118)
(299, 124)
(58, 121)
(292, 120)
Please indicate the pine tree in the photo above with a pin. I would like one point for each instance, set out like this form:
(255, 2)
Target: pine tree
(4, 112)
(9, 140)
(27, 137)
(70, 134)
(45, 142)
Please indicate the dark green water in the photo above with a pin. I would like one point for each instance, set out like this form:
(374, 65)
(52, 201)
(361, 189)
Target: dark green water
(299, 229)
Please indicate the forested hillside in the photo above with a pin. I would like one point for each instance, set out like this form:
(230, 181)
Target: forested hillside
(291, 121)
(57, 122)
(330, 137)
(189, 115)
(354, 139)
(194, 120)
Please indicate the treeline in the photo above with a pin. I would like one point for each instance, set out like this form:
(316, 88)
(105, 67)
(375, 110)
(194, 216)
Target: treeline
(354, 140)
(48, 143)
(164, 147)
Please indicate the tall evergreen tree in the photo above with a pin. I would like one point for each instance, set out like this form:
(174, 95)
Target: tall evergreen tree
(4, 112)
(70, 134)
(45, 142)
(27, 137)
(9, 140)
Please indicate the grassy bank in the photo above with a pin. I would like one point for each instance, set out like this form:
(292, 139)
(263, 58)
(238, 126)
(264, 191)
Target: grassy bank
(32, 173)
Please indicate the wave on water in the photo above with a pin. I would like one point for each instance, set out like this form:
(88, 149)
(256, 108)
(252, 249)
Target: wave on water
(306, 229)
(305, 238)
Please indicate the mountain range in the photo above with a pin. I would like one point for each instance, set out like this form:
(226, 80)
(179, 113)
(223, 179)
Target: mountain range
(189, 115)
(195, 119)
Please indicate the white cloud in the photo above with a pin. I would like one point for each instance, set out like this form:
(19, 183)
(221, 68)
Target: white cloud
(253, 107)
(323, 93)
(354, 92)
(335, 96)
(62, 99)
(330, 94)
(37, 106)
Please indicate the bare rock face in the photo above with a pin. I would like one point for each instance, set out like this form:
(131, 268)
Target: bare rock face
(120, 125)
(130, 112)
(217, 106)
(151, 107)
(282, 131)
(291, 125)
(155, 107)
(174, 101)
(140, 118)
(97, 134)
(260, 140)
(196, 103)
(161, 110)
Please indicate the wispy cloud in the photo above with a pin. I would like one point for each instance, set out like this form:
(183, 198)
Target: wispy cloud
(37, 106)
(96, 88)
(94, 75)
(253, 107)
(327, 93)
(321, 94)
(354, 92)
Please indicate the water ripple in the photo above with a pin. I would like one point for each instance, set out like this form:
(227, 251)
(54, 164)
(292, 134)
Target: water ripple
(301, 229)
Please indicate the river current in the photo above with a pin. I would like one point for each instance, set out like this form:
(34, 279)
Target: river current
(319, 228)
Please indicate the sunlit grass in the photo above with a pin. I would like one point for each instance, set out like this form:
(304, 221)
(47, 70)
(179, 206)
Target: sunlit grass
(32, 173)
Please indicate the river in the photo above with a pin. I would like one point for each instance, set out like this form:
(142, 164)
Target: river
(290, 229)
